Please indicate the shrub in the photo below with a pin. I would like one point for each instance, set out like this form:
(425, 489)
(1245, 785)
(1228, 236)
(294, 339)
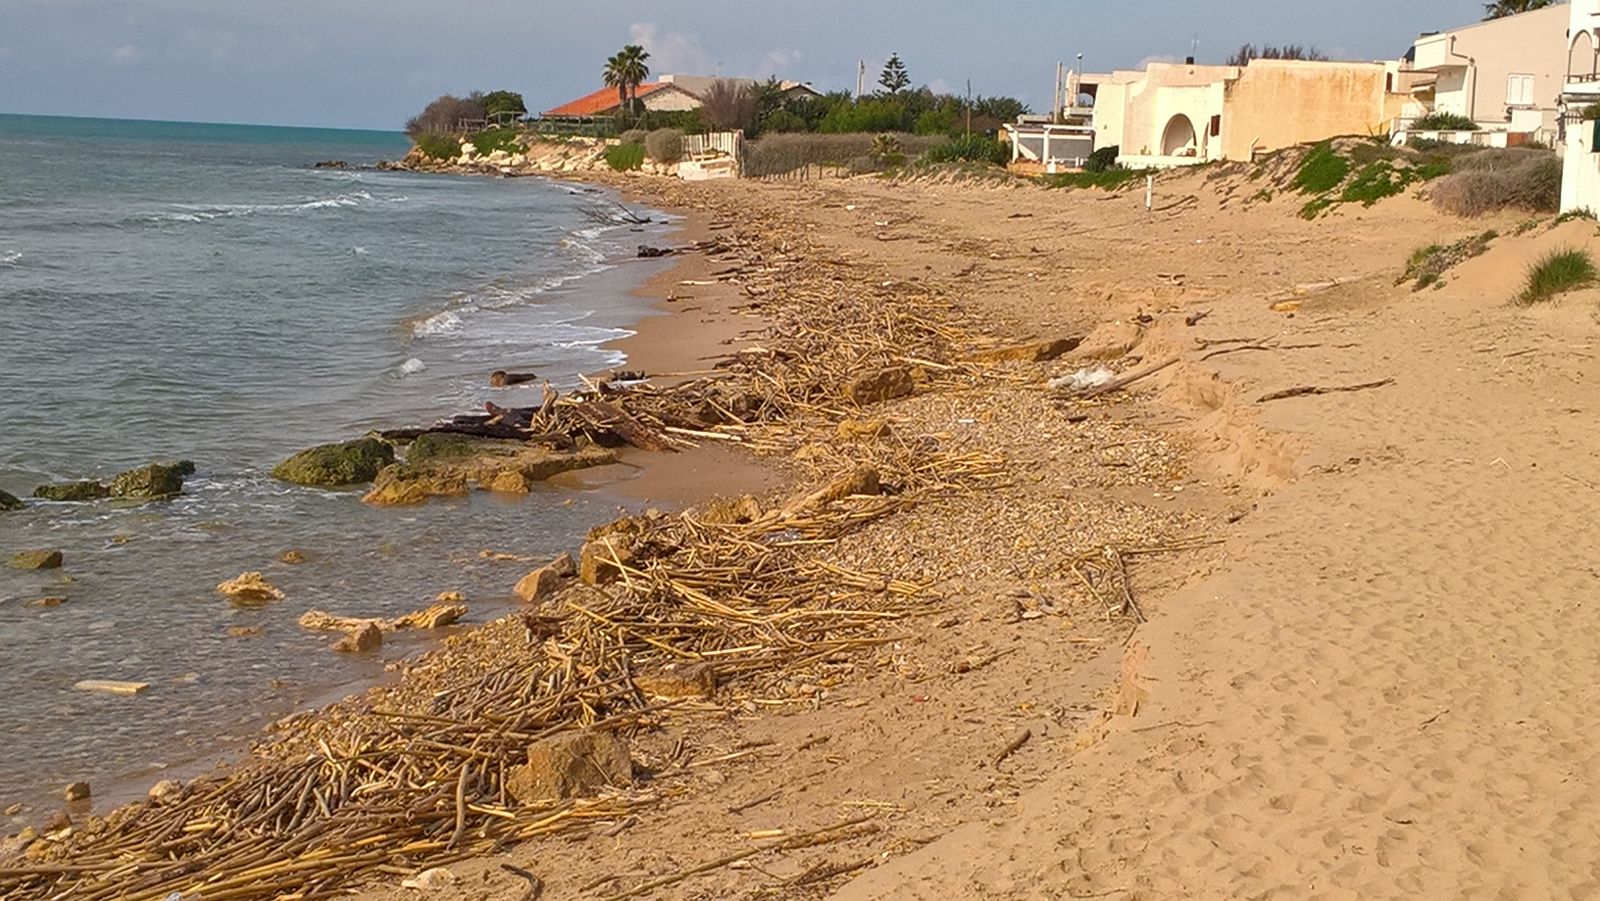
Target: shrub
(438, 147)
(633, 136)
(665, 145)
(444, 114)
(728, 105)
(780, 154)
(625, 157)
(1107, 180)
(1375, 182)
(1558, 272)
(1428, 263)
(1500, 179)
(1102, 159)
(1590, 113)
(970, 148)
(491, 139)
(1322, 170)
(1444, 122)
(783, 121)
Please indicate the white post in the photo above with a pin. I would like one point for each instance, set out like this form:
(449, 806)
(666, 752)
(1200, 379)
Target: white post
(1149, 192)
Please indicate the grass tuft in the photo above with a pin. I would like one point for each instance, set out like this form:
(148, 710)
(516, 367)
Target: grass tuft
(1556, 273)
(1322, 170)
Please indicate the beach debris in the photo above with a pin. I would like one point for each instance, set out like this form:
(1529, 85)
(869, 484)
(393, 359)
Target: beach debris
(1082, 380)
(362, 640)
(112, 687)
(293, 557)
(1018, 739)
(853, 429)
(1306, 390)
(1126, 379)
(502, 379)
(728, 511)
(86, 490)
(430, 880)
(250, 589)
(43, 559)
(166, 791)
(573, 765)
(535, 884)
(884, 384)
(1034, 352)
(15, 809)
(435, 617)
(154, 481)
(9, 501)
(77, 791)
(336, 465)
(646, 252)
(46, 602)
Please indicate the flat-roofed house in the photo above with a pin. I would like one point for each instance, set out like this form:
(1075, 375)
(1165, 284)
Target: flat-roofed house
(1504, 74)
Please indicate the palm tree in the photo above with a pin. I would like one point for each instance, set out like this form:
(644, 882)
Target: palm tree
(616, 77)
(1502, 8)
(626, 71)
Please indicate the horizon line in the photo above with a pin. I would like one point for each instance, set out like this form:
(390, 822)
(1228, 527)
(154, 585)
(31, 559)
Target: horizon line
(396, 131)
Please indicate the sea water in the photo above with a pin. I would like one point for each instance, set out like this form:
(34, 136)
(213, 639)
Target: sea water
(179, 291)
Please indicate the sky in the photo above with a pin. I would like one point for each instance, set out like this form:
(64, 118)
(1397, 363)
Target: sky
(372, 63)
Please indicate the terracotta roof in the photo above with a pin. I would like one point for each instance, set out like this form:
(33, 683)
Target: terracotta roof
(601, 101)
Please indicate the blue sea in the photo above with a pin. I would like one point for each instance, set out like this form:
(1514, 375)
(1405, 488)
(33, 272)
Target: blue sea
(172, 290)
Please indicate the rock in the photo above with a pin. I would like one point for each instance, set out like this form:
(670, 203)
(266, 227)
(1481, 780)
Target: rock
(250, 590)
(166, 791)
(331, 164)
(430, 880)
(674, 681)
(336, 465)
(46, 602)
(37, 560)
(16, 809)
(364, 640)
(72, 491)
(564, 566)
(402, 484)
(111, 687)
(1035, 352)
(77, 791)
(538, 585)
(243, 631)
(152, 482)
(447, 446)
(1109, 341)
(450, 597)
(573, 765)
(9, 502)
(729, 511)
(436, 617)
(879, 386)
(60, 822)
(293, 557)
(607, 546)
(17, 844)
(502, 379)
(507, 481)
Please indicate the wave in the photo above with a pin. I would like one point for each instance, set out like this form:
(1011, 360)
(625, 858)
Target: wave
(11, 259)
(444, 322)
(186, 212)
(410, 367)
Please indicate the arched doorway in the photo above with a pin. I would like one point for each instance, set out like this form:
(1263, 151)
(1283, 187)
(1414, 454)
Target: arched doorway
(1179, 138)
(1581, 56)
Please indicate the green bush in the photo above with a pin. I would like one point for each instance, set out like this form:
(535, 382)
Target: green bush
(1444, 122)
(1322, 170)
(438, 147)
(1374, 183)
(1103, 159)
(1558, 272)
(782, 121)
(625, 157)
(877, 116)
(970, 148)
(665, 145)
(492, 139)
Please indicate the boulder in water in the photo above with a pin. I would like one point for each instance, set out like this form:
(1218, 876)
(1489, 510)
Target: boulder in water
(87, 490)
(9, 502)
(336, 465)
(250, 590)
(152, 482)
(37, 560)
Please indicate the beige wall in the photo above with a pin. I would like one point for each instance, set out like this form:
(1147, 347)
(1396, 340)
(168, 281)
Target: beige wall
(1277, 104)
(669, 100)
(1475, 64)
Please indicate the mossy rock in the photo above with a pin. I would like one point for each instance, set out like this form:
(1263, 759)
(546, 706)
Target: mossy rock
(435, 446)
(334, 465)
(9, 502)
(86, 490)
(152, 482)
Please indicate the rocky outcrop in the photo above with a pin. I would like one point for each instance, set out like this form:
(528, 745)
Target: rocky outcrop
(444, 465)
(364, 640)
(87, 490)
(539, 584)
(574, 765)
(336, 465)
(9, 502)
(152, 482)
(250, 590)
(46, 559)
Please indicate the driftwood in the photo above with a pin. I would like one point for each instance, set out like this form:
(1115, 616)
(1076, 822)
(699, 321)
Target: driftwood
(608, 417)
(1123, 381)
(1306, 390)
(507, 432)
(502, 379)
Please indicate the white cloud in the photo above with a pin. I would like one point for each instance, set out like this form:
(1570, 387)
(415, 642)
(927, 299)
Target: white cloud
(672, 52)
(779, 62)
(126, 55)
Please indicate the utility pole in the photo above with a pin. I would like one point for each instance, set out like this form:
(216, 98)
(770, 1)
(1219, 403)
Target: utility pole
(969, 107)
(1055, 98)
(861, 79)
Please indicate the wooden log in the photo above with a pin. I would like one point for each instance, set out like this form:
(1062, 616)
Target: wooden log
(609, 417)
(1117, 384)
(502, 379)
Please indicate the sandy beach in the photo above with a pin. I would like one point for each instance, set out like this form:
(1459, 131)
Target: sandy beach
(1211, 636)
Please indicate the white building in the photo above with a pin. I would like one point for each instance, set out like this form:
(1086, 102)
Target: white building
(1580, 99)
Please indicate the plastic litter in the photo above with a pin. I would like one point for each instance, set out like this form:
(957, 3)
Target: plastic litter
(1082, 380)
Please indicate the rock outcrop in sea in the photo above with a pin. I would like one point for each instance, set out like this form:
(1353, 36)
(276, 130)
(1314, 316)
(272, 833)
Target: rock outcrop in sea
(336, 465)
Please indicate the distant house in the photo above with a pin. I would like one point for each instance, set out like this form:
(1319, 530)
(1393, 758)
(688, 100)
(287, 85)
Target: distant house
(1174, 114)
(1580, 104)
(1504, 74)
(670, 93)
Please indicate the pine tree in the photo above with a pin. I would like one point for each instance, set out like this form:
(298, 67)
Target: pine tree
(894, 78)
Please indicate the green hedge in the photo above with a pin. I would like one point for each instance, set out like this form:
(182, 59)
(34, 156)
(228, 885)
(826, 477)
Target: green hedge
(625, 157)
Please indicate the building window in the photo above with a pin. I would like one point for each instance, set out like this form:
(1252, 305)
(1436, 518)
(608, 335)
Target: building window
(1216, 126)
(1519, 90)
